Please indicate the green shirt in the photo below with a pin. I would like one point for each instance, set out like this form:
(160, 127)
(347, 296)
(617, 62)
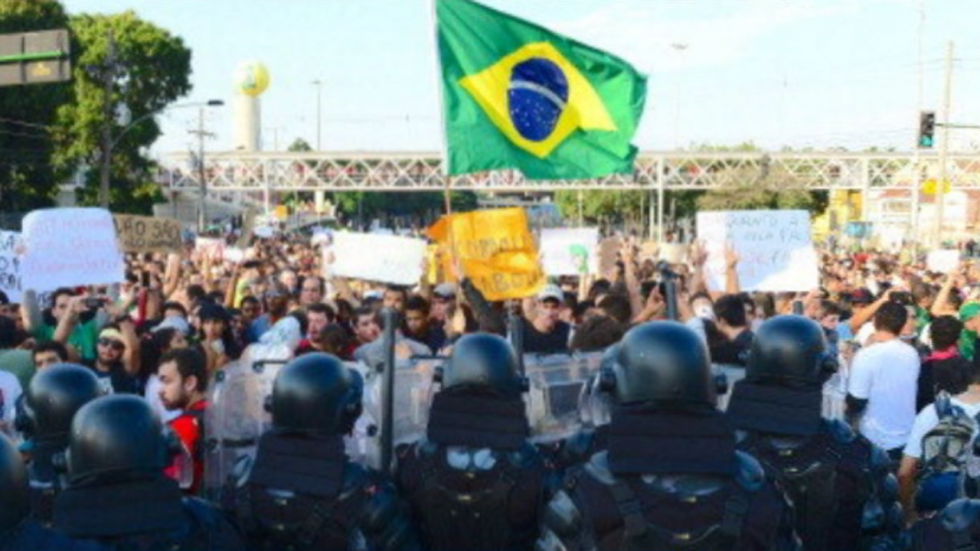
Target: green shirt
(968, 343)
(83, 338)
(19, 363)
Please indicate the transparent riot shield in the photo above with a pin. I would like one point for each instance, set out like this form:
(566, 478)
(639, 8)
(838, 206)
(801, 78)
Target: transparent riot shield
(413, 392)
(236, 415)
(556, 387)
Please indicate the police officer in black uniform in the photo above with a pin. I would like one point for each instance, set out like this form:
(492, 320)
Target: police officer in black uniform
(670, 476)
(17, 531)
(302, 492)
(842, 491)
(956, 528)
(117, 491)
(474, 481)
(44, 417)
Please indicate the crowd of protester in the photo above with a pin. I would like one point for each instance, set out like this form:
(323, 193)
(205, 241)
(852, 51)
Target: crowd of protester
(905, 336)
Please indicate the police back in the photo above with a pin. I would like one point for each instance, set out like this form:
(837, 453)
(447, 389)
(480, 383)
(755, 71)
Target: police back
(840, 485)
(669, 476)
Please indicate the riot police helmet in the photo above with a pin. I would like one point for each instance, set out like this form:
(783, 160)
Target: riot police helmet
(790, 351)
(660, 363)
(317, 394)
(484, 363)
(53, 397)
(15, 504)
(118, 435)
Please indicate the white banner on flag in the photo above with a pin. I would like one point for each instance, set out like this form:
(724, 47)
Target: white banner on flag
(68, 247)
(373, 257)
(774, 247)
(569, 251)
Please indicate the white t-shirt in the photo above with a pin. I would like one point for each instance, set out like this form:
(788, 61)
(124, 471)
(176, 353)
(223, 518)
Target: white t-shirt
(927, 420)
(886, 375)
(10, 391)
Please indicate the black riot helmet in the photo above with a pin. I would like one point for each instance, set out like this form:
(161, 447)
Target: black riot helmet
(53, 397)
(317, 394)
(790, 351)
(118, 435)
(661, 363)
(15, 504)
(484, 363)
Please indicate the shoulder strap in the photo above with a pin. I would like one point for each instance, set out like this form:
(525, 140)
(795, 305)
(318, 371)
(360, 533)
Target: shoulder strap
(736, 509)
(629, 508)
(962, 541)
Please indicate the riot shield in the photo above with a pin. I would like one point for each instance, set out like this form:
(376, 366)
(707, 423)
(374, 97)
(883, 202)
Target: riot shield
(556, 387)
(413, 390)
(236, 415)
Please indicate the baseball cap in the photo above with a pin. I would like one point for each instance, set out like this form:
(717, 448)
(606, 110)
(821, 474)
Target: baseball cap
(551, 292)
(861, 296)
(173, 322)
(969, 310)
(111, 334)
(445, 290)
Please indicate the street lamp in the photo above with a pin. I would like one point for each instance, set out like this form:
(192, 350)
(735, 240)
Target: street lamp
(122, 114)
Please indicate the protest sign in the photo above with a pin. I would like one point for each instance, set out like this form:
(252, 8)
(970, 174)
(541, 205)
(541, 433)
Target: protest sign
(10, 279)
(942, 261)
(569, 251)
(234, 254)
(68, 247)
(147, 234)
(495, 249)
(608, 251)
(774, 248)
(383, 258)
(674, 253)
(211, 248)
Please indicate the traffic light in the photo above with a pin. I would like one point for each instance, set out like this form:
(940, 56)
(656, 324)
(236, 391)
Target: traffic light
(927, 129)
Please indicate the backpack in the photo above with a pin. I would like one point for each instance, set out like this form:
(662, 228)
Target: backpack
(948, 457)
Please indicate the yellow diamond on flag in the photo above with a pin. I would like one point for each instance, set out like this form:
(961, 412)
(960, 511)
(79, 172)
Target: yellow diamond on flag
(537, 98)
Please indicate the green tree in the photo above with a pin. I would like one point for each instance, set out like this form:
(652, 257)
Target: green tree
(603, 206)
(155, 71)
(27, 116)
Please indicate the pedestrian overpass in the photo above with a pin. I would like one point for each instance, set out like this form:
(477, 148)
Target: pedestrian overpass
(655, 171)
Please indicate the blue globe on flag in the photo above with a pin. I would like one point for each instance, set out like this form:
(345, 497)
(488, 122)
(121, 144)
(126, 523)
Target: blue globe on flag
(538, 95)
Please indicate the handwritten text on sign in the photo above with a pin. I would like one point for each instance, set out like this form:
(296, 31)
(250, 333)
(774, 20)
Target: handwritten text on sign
(569, 251)
(68, 247)
(146, 234)
(774, 248)
(384, 258)
(10, 265)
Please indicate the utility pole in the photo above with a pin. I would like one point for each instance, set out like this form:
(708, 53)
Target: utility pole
(319, 120)
(109, 78)
(944, 148)
(201, 133)
(916, 157)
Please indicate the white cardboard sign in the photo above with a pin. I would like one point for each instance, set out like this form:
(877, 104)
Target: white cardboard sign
(373, 257)
(942, 261)
(774, 247)
(10, 277)
(68, 247)
(569, 251)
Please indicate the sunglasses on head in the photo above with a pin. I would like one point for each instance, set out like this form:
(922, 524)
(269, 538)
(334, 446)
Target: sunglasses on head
(114, 344)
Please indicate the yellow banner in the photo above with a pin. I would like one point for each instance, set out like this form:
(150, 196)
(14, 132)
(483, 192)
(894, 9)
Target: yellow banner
(496, 250)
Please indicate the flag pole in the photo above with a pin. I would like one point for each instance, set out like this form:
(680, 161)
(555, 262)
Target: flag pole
(444, 144)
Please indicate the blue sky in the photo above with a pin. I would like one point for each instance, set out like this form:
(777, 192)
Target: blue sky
(800, 73)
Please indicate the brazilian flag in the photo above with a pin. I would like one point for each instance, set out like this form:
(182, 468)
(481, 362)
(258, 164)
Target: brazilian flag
(518, 96)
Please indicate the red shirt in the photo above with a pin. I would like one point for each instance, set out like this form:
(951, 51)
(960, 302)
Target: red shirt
(189, 428)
